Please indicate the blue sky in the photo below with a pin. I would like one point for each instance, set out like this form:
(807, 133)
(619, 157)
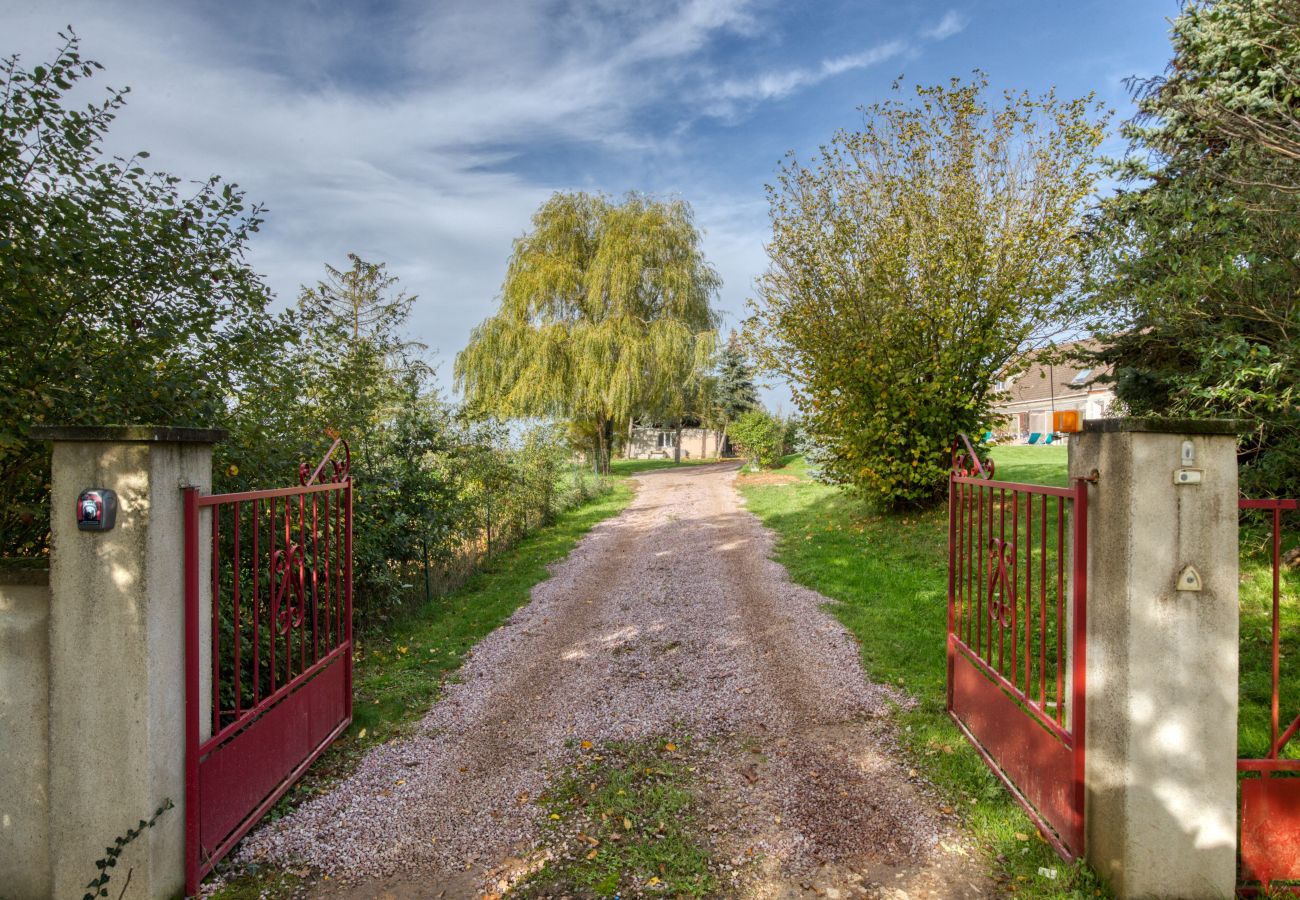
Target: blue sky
(424, 135)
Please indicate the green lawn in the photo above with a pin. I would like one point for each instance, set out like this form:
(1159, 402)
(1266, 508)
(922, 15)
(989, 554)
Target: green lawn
(626, 467)
(625, 821)
(889, 574)
(1033, 464)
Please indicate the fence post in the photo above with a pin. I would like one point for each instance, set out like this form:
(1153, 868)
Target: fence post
(1161, 674)
(116, 664)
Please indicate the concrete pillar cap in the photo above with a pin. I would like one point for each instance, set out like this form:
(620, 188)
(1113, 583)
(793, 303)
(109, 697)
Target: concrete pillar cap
(140, 434)
(1152, 425)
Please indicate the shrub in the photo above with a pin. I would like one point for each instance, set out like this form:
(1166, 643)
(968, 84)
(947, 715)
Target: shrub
(760, 436)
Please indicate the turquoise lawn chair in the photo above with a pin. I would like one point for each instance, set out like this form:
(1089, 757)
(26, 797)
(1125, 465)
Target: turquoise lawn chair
(1051, 437)
(1033, 438)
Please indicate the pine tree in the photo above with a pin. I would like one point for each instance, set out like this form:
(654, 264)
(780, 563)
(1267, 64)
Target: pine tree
(734, 393)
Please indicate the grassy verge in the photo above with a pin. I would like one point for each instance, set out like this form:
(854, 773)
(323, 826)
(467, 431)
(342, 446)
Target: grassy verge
(889, 576)
(627, 467)
(399, 673)
(623, 823)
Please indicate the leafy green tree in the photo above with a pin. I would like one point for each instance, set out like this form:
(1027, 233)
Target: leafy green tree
(126, 294)
(909, 264)
(761, 437)
(1194, 260)
(605, 314)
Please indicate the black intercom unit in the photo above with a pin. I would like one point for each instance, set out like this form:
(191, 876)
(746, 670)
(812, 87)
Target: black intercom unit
(96, 509)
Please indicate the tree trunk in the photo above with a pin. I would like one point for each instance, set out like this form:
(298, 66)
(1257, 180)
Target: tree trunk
(428, 587)
(631, 433)
(604, 444)
(677, 442)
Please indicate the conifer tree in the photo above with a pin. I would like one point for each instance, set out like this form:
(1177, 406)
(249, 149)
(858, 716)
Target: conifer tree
(734, 393)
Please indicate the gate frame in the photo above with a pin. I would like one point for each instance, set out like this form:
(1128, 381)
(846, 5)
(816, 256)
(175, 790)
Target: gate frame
(968, 468)
(1257, 856)
(197, 867)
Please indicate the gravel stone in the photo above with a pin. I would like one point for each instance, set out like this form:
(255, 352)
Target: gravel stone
(668, 619)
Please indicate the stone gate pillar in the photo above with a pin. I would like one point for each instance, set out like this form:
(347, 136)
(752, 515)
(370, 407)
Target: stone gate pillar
(116, 654)
(1161, 728)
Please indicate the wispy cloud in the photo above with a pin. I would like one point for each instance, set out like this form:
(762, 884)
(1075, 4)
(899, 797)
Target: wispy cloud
(781, 83)
(952, 23)
(425, 135)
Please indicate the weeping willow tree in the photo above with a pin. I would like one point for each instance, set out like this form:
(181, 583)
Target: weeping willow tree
(605, 315)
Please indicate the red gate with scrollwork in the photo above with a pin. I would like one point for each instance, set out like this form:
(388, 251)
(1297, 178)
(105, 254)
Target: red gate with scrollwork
(1016, 637)
(268, 654)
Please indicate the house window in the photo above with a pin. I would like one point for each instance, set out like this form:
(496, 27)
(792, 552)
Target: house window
(666, 440)
(1081, 377)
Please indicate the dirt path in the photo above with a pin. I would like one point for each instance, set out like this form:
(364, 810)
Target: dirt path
(668, 616)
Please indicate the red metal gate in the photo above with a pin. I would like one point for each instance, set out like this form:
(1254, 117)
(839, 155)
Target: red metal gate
(1270, 791)
(270, 686)
(1017, 570)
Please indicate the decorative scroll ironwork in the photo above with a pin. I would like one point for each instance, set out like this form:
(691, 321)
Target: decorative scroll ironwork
(1001, 590)
(340, 470)
(287, 566)
(966, 462)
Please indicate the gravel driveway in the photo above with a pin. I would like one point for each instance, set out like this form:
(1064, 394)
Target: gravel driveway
(668, 617)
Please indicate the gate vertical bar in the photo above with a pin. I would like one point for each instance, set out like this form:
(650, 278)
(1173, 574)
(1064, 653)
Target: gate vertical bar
(1277, 621)
(191, 641)
(1029, 594)
(347, 561)
(1078, 680)
(954, 507)
(216, 621)
(257, 608)
(239, 660)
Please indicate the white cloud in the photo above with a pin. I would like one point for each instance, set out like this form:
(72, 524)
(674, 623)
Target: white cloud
(412, 137)
(777, 84)
(952, 23)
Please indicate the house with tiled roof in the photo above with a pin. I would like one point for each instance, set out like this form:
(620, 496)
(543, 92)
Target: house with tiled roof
(1045, 387)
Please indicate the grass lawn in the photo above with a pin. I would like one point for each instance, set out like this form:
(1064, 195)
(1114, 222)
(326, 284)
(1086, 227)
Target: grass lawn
(889, 574)
(398, 674)
(626, 467)
(624, 821)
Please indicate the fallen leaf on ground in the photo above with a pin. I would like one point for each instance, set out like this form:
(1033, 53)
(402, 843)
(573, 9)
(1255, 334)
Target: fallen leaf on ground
(627, 824)
(1021, 836)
